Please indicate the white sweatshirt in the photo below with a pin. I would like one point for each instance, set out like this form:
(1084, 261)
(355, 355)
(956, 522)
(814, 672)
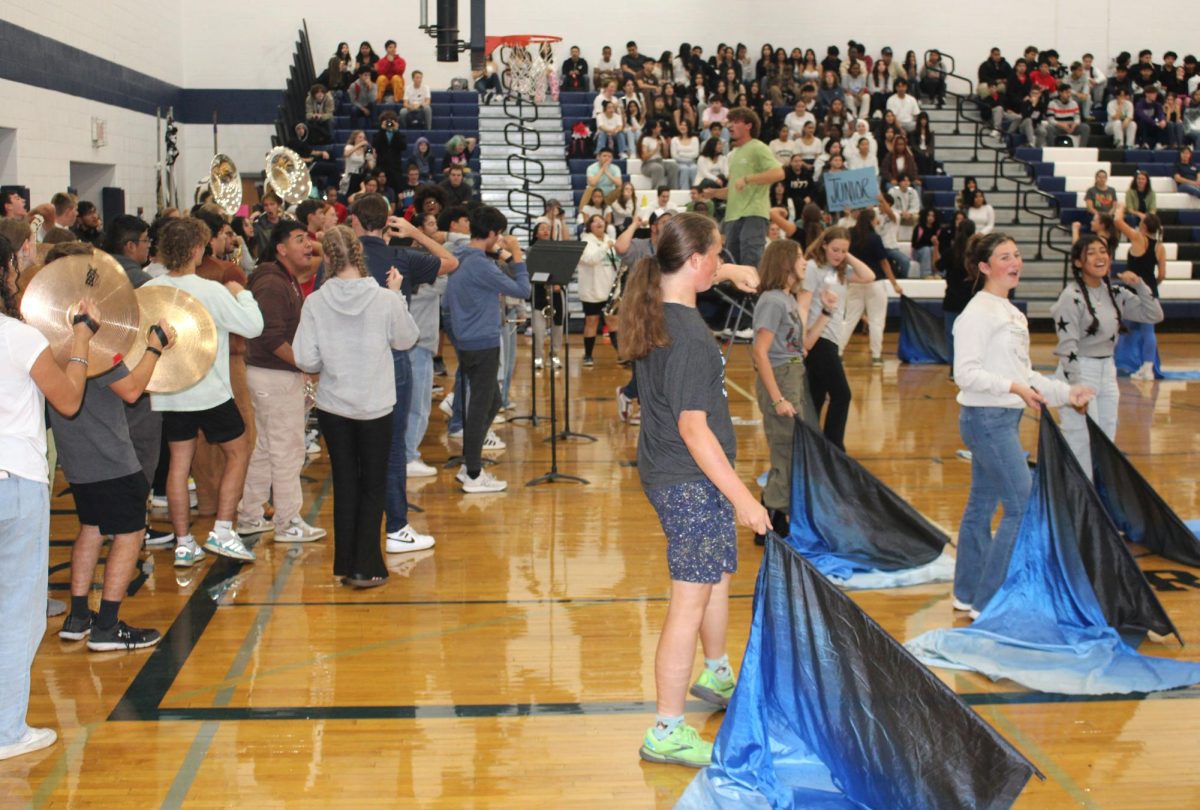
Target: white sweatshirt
(991, 352)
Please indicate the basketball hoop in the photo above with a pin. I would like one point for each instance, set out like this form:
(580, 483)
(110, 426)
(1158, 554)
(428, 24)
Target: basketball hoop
(527, 62)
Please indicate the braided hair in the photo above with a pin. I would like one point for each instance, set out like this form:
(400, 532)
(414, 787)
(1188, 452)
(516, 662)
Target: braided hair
(1078, 252)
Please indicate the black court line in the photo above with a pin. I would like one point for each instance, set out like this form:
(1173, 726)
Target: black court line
(562, 600)
(148, 688)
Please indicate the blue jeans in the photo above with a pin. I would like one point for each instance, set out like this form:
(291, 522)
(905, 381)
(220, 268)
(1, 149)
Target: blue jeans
(613, 142)
(1192, 190)
(508, 355)
(999, 476)
(924, 258)
(396, 501)
(421, 361)
(687, 174)
(898, 261)
(24, 560)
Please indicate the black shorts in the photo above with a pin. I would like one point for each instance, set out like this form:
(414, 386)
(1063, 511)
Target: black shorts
(593, 307)
(220, 424)
(117, 506)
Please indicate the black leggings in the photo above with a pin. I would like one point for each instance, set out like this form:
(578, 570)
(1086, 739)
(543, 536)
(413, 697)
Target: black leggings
(826, 377)
(479, 368)
(358, 455)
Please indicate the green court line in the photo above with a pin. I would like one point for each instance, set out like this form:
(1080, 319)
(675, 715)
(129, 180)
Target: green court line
(70, 755)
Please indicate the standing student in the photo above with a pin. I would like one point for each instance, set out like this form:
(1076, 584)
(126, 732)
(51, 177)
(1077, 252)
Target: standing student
(996, 383)
(867, 245)
(1148, 260)
(1087, 319)
(753, 169)
(29, 378)
(831, 267)
(780, 343)
(597, 272)
(348, 330)
(685, 460)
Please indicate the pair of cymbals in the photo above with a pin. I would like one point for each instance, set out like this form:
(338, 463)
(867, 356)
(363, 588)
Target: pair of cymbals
(50, 303)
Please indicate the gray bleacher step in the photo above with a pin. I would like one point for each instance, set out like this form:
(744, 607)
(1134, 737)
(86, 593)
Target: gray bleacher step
(498, 111)
(499, 124)
(505, 182)
(495, 164)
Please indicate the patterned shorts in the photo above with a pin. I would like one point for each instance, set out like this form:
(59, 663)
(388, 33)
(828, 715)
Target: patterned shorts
(700, 529)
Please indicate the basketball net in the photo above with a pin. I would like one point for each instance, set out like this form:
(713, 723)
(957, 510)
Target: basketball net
(529, 70)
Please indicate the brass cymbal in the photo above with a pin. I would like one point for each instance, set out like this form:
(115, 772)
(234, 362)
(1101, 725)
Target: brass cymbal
(50, 302)
(195, 348)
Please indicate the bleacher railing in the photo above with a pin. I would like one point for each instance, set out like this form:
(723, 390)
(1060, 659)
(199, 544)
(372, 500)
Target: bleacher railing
(519, 133)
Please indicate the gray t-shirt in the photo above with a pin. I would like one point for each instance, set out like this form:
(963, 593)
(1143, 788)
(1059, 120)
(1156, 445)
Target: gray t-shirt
(425, 308)
(777, 313)
(816, 278)
(687, 375)
(94, 445)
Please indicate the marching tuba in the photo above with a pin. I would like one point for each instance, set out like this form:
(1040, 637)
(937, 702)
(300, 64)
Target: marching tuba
(225, 184)
(287, 175)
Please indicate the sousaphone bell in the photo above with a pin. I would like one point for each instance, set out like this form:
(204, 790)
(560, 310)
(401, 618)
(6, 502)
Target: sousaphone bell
(225, 184)
(287, 175)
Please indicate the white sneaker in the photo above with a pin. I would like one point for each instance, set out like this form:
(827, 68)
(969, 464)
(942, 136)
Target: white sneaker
(225, 544)
(973, 613)
(419, 469)
(455, 434)
(446, 406)
(35, 739)
(493, 442)
(461, 476)
(313, 449)
(624, 403)
(963, 606)
(538, 364)
(187, 555)
(408, 539)
(486, 482)
(260, 526)
(299, 532)
(554, 361)
(500, 419)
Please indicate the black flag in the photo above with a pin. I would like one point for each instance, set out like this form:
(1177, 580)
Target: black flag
(922, 335)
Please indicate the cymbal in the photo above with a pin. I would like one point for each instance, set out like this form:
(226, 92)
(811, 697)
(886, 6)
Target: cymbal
(195, 348)
(49, 303)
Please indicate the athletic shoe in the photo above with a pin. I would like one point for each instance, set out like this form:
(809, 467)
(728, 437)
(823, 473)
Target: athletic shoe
(76, 628)
(961, 605)
(35, 739)
(408, 539)
(446, 406)
(500, 419)
(419, 469)
(455, 434)
(486, 482)
(158, 539)
(973, 613)
(877, 361)
(461, 476)
(538, 364)
(554, 361)
(588, 362)
(712, 687)
(439, 367)
(635, 417)
(493, 442)
(228, 546)
(55, 607)
(624, 404)
(313, 449)
(259, 526)
(188, 555)
(160, 501)
(683, 746)
(299, 532)
(122, 637)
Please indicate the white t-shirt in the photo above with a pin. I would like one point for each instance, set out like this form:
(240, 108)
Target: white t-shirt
(795, 123)
(22, 405)
(905, 109)
(417, 95)
(598, 104)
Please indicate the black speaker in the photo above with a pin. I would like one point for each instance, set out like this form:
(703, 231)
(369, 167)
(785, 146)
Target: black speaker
(112, 202)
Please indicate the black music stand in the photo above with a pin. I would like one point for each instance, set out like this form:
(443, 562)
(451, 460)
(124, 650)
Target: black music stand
(566, 432)
(550, 264)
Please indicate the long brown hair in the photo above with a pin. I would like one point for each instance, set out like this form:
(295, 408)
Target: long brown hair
(980, 248)
(816, 251)
(778, 268)
(642, 326)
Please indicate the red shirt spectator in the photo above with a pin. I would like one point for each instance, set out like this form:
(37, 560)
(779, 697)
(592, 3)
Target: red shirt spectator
(390, 65)
(1044, 79)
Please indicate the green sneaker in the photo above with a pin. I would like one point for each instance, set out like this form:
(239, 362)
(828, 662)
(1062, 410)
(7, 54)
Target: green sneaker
(683, 746)
(712, 687)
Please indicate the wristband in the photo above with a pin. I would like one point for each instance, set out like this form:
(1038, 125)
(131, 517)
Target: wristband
(84, 318)
(826, 313)
(80, 360)
(153, 350)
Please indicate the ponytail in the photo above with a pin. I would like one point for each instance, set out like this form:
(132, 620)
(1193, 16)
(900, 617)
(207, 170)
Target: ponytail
(642, 327)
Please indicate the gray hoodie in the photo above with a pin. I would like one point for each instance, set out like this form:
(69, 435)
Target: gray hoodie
(347, 331)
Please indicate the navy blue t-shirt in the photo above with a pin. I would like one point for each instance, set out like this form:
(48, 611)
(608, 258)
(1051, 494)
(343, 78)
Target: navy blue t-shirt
(416, 266)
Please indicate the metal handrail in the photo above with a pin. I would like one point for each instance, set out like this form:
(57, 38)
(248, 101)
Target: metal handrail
(1042, 215)
(1058, 227)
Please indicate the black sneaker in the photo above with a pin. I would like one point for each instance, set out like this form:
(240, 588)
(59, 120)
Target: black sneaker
(76, 628)
(157, 538)
(122, 637)
(439, 367)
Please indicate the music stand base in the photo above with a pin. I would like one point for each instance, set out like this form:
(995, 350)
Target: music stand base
(533, 419)
(553, 476)
(563, 435)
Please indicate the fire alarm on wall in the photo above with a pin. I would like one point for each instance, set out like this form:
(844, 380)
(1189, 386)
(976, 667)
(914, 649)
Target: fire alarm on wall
(99, 132)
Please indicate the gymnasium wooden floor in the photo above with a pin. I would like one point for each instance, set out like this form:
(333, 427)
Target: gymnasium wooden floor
(512, 666)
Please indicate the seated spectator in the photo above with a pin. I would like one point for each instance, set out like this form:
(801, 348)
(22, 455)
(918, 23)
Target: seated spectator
(608, 93)
(1151, 120)
(422, 158)
(1044, 79)
(799, 184)
(1033, 117)
(575, 71)
(87, 226)
(610, 128)
(662, 202)
(337, 78)
(1081, 89)
(1095, 78)
(390, 70)
(458, 153)
(899, 162)
(408, 189)
(1063, 117)
(932, 82)
(1119, 79)
(906, 202)
(634, 123)
(362, 98)
(654, 151)
(1144, 78)
(924, 145)
(857, 95)
(685, 148)
(781, 147)
(339, 210)
(458, 191)
(359, 159)
(714, 113)
(808, 145)
(994, 69)
(630, 94)
(1173, 111)
(879, 85)
(836, 121)
(318, 114)
(487, 82)
(631, 62)
(418, 101)
(1184, 174)
(390, 145)
(862, 155)
(604, 174)
(1101, 198)
(712, 169)
(797, 118)
(1139, 197)
(606, 69)
(1122, 126)
(624, 207)
(366, 58)
(981, 213)
(923, 239)
(829, 91)
(904, 106)
(552, 215)
(594, 205)
(832, 148)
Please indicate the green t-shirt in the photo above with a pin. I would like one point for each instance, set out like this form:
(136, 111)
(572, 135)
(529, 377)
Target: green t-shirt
(750, 158)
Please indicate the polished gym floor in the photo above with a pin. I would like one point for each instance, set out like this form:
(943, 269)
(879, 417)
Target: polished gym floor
(512, 665)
